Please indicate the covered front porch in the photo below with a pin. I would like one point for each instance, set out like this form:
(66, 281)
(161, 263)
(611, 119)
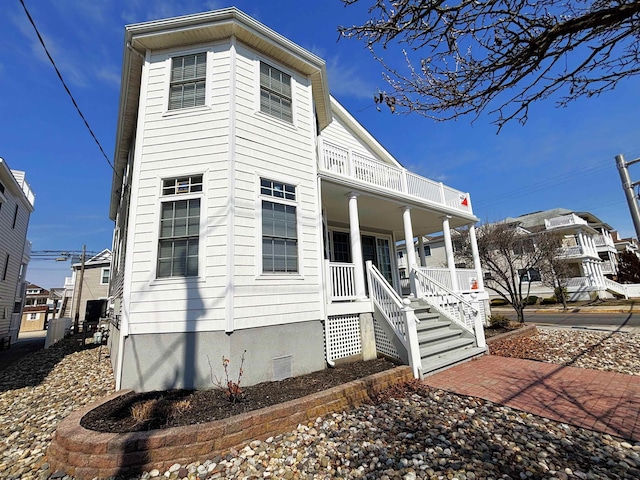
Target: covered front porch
(367, 208)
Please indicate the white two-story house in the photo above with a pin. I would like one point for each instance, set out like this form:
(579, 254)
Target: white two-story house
(16, 205)
(254, 213)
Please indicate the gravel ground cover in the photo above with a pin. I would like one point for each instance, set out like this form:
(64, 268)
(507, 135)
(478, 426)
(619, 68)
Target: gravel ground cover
(413, 434)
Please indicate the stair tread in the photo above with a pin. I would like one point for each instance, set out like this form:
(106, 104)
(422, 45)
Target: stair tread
(437, 335)
(431, 365)
(442, 348)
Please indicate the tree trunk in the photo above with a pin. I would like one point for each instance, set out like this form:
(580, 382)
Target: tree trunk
(519, 312)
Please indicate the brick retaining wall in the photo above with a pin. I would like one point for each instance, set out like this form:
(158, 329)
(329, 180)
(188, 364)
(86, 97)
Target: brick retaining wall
(87, 454)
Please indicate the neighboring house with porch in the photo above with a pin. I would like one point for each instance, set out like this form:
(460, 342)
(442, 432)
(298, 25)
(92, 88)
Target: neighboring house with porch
(253, 212)
(16, 206)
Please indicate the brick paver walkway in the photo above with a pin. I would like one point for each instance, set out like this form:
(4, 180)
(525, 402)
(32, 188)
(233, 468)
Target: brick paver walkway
(607, 402)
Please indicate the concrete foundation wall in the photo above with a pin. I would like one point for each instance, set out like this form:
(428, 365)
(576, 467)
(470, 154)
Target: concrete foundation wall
(194, 359)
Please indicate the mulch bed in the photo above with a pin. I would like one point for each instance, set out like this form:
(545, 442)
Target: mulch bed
(136, 412)
(493, 331)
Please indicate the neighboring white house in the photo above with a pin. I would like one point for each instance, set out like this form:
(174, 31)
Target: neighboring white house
(253, 212)
(16, 205)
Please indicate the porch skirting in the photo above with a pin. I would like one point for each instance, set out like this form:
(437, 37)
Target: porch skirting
(193, 360)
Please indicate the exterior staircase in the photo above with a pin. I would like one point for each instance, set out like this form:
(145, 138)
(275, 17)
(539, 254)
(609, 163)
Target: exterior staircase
(442, 342)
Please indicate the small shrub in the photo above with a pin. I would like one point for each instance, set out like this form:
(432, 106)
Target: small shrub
(498, 321)
(560, 292)
(497, 302)
(233, 390)
(531, 300)
(549, 301)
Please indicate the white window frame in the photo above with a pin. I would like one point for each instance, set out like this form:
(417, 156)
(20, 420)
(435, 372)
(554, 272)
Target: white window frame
(102, 271)
(201, 230)
(34, 316)
(260, 273)
(257, 106)
(208, 80)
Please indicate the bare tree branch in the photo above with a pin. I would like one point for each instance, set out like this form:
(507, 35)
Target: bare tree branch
(499, 56)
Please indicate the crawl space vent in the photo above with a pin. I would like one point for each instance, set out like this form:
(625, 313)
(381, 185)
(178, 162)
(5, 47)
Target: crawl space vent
(281, 367)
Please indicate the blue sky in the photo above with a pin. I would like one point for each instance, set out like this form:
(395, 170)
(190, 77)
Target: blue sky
(560, 158)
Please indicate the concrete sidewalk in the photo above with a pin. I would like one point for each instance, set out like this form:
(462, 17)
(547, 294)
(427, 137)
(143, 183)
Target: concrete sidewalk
(606, 402)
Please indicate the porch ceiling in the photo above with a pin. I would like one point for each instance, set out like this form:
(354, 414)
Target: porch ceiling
(384, 213)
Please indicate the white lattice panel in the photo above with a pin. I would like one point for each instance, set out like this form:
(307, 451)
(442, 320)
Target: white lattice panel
(344, 336)
(383, 344)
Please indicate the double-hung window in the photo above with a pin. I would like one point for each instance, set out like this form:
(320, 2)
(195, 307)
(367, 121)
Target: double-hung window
(275, 93)
(179, 228)
(279, 227)
(188, 81)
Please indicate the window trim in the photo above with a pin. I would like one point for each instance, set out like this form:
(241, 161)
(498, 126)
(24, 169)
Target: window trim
(102, 270)
(201, 229)
(260, 273)
(208, 80)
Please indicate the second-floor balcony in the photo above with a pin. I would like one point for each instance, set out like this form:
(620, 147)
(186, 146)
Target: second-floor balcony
(604, 241)
(343, 163)
(577, 251)
(564, 221)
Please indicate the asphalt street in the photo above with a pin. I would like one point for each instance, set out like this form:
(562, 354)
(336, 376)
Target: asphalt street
(593, 320)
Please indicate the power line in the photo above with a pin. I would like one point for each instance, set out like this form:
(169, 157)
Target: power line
(75, 104)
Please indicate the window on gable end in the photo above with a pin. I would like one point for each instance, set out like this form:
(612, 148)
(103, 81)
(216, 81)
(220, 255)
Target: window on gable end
(275, 93)
(188, 81)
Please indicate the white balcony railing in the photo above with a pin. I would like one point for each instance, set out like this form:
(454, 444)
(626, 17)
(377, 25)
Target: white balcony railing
(603, 241)
(577, 251)
(564, 221)
(342, 162)
(607, 268)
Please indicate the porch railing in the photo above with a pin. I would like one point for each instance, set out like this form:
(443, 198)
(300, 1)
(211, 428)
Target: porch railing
(399, 317)
(342, 285)
(577, 282)
(467, 278)
(343, 162)
(450, 304)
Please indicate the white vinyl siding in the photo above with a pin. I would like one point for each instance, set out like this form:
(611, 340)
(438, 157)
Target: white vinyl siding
(275, 93)
(188, 81)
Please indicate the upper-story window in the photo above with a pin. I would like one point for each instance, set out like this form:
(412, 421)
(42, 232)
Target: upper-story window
(104, 276)
(15, 217)
(179, 228)
(188, 81)
(275, 92)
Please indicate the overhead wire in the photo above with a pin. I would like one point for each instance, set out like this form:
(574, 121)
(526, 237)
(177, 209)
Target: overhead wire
(64, 84)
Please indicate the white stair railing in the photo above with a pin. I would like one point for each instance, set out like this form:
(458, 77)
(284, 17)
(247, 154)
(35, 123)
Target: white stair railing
(450, 304)
(398, 315)
(615, 287)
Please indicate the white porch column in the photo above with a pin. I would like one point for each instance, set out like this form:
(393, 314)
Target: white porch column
(476, 256)
(448, 246)
(586, 265)
(423, 257)
(356, 246)
(408, 238)
(581, 242)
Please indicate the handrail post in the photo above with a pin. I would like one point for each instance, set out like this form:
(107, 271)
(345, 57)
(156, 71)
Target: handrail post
(478, 327)
(415, 362)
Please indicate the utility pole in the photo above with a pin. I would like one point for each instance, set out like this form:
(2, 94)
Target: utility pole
(628, 187)
(76, 323)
